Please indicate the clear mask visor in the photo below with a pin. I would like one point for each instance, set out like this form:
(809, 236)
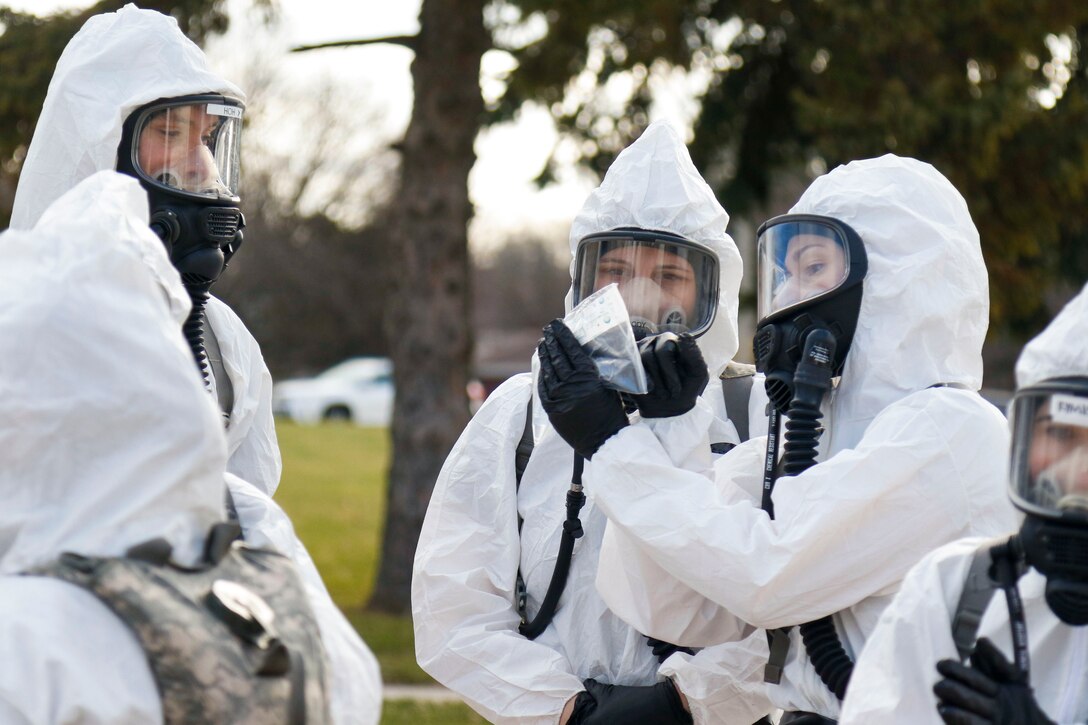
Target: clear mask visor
(1049, 466)
(193, 147)
(798, 261)
(668, 285)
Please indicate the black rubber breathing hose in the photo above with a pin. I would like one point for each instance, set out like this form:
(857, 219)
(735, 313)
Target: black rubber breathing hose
(193, 328)
(572, 530)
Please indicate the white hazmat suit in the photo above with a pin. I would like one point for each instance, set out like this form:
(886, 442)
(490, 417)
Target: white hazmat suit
(103, 456)
(894, 678)
(903, 466)
(463, 588)
(116, 63)
(98, 456)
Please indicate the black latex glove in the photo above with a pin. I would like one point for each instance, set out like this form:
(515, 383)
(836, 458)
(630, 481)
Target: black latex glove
(676, 372)
(664, 650)
(600, 704)
(581, 409)
(992, 691)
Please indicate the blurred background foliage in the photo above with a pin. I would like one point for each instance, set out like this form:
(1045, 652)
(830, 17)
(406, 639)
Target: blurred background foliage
(992, 92)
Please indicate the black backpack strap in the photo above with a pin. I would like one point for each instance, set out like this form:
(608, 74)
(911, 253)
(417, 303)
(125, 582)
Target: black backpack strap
(521, 460)
(524, 449)
(778, 644)
(736, 391)
(978, 589)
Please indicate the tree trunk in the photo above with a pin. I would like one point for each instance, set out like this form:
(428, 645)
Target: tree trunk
(427, 318)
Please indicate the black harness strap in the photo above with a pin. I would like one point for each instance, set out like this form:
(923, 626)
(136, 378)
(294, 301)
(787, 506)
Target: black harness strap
(998, 566)
(521, 460)
(978, 590)
(736, 392)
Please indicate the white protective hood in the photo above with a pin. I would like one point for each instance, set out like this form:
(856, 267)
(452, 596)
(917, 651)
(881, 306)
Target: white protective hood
(925, 299)
(1061, 350)
(116, 63)
(109, 436)
(654, 185)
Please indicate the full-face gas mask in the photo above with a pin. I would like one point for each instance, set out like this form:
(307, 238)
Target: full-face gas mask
(185, 152)
(1048, 481)
(668, 283)
(810, 270)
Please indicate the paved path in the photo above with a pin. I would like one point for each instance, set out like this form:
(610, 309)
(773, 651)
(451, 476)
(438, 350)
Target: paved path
(426, 693)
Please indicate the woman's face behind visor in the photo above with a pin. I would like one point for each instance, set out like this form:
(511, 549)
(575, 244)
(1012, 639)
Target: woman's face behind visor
(655, 284)
(667, 283)
(814, 264)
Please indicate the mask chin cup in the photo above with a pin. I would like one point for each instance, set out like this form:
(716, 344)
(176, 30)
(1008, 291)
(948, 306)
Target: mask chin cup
(201, 267)
(1059, 551)
(1068, 600)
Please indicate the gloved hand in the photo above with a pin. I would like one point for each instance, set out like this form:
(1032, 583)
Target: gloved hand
(581, 409)
(991, 691)
(676, 372)
(663, 650)
(601, 704)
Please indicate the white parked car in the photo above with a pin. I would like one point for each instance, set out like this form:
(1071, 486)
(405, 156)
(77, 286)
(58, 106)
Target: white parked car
(359, 389)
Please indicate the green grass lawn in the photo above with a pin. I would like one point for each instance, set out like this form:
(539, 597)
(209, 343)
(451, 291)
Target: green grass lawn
(333, 487)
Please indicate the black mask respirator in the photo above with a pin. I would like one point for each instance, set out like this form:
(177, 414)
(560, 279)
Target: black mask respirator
(185, 153)
(1048, 481)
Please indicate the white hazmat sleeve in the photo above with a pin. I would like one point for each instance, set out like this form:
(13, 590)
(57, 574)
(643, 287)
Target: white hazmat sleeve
(846, 529)
(69, 659)
(724, 683)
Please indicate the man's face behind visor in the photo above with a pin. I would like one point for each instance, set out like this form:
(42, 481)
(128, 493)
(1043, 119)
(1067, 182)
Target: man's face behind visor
(191, 148)
(1059, 456)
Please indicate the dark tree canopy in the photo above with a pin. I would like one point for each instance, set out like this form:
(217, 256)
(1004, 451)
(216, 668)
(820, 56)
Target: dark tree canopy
(991, 92)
